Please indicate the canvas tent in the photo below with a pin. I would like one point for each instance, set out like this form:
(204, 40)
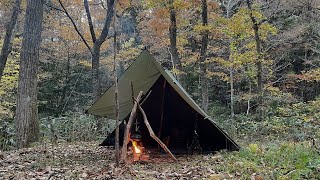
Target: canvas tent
(182, 117)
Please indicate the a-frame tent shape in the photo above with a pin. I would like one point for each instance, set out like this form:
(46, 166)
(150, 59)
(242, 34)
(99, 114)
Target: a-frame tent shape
(181, 115)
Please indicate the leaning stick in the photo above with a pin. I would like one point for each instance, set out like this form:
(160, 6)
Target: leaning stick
(152, 133)
(133, 114)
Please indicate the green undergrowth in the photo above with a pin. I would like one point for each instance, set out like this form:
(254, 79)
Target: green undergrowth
(282, 161)
(292, 122)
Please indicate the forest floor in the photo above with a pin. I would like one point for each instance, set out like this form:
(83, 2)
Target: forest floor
(86, 160)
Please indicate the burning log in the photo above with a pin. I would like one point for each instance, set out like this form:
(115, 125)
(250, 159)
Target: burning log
(136, 151)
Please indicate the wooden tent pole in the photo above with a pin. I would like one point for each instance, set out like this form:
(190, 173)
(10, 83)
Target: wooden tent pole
(126, 137)
(162, 108)
(152, 133)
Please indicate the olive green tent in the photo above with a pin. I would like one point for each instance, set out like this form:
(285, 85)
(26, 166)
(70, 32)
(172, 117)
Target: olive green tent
(182, 117)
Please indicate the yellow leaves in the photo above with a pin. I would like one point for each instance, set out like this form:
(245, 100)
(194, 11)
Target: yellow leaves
(246, 57)
(311, 75)
(238, 26)
(267, 29)
(176, 71)
(9, 83)
(220, 61)
(199, 28)
(256, 14)
(236, 59)
(274, 91)
(85, 63)
(223, 76)
(181, 4)
(238, 30)
(149, 4)
(181, 41)
(247, 96)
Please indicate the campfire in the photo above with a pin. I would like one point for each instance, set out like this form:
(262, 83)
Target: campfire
(137, 150)
(135, 137)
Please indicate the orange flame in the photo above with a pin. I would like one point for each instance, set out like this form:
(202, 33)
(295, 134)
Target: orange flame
(136, 147)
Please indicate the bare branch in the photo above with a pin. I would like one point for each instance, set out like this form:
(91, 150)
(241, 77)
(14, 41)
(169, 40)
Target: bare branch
(105, 30)
(102, 5)
(75, 26)
(151, 132)
(46, 3)
(93, 34)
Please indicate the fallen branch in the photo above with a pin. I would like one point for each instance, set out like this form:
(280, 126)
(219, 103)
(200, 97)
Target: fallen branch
(152, 133)
(126, 137)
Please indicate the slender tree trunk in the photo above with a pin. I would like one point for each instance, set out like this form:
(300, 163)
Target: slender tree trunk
(231, 92)
(27, 128)
(95, 52)
(248, 102)
(255, 27)
(203, 56)
(173, 42)
(116, 90)
(7, 45)
(95, 61)
(229, 9)
(96, 49)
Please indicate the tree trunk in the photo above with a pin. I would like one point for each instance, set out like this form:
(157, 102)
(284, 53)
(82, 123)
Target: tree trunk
(27, 128)
(229, 9)
(248, 102)
(255, 27)
(98, 41)
(7, 45)
(96, 49)
(95, 61)
(173, 42)
(116, 90)
(203, 56)
(231, 92)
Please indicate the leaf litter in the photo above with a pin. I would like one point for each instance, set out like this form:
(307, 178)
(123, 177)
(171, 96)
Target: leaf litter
(87, 160)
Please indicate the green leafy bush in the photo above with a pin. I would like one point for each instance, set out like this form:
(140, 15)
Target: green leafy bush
(295, 122)
(283, 161)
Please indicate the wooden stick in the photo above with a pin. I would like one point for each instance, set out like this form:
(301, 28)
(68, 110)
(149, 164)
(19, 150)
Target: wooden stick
(126, 137)
(153, 135)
